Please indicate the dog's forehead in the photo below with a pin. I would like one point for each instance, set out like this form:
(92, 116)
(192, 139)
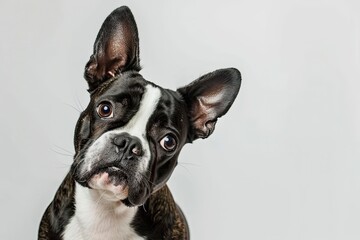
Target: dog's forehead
(133, 84)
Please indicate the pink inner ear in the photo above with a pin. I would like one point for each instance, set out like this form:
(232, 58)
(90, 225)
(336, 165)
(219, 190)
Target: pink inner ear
(116, 48)
(204, 114)
(209, 98)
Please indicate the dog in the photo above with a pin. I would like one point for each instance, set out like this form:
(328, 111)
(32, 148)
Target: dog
(127, 142)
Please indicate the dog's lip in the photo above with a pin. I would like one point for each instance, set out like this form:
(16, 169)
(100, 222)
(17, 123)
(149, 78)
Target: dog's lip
(116, 175)
(112, 170)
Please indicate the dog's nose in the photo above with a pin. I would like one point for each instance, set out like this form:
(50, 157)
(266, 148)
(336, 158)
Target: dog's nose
(128, 144)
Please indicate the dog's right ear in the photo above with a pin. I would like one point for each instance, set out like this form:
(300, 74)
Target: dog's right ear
(116, 48)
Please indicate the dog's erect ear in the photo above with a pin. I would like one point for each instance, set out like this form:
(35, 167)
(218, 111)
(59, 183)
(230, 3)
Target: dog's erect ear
(209, 98)
(116, 48)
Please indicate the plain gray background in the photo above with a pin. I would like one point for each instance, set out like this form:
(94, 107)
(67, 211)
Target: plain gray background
(282, 164)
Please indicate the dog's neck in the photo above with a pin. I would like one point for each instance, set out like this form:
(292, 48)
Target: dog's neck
(100, 217)
(86, 198)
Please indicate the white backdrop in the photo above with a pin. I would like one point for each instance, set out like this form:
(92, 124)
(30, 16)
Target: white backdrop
(282, 164)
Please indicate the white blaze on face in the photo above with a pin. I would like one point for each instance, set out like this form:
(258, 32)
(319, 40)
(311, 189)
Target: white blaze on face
(135, 127)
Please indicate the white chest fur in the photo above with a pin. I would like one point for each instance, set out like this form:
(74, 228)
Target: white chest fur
(96, 218)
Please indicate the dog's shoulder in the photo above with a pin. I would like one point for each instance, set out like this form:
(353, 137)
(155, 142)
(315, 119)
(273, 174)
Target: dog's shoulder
(59, 212)
(161, 217)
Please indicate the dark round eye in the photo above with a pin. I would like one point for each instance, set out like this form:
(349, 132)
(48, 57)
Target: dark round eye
(105, 110)
(168, 143)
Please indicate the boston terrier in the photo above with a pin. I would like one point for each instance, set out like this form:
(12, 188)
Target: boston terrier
(127, 143)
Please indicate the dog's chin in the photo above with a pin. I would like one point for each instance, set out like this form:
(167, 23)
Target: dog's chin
(112, 185)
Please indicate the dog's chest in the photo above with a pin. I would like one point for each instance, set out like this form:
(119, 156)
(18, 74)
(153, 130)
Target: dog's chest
(93, 220)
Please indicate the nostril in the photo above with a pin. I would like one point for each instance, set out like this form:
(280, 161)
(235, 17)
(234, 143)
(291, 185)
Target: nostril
(120, 142)
(136, 150)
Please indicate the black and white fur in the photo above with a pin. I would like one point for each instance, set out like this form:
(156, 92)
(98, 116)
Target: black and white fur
(127, 143)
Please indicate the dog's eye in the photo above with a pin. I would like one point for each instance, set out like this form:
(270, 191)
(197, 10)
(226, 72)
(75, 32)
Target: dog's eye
(168, 143)
(105, 110)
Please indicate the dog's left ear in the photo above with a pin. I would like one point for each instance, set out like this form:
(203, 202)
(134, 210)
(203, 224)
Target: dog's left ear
(208, 98)
(116, 48)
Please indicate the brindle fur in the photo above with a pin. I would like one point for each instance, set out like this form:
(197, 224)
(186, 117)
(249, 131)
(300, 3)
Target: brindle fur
(160, 210)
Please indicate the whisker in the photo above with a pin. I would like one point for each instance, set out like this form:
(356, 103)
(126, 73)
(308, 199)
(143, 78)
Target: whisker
(146, 178)
(191, 164)
(79, 103)
(184, 167)
(76, 109)
(143, 206)
(63, 154)
(63, 149)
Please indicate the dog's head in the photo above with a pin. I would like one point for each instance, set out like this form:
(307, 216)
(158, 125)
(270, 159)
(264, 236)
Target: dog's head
(129, 137)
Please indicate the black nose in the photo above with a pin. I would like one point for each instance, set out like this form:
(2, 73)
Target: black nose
(128, 144)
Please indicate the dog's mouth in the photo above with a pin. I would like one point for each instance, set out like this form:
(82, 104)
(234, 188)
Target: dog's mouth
(115, 183)
(111, 181)
(116, 175)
